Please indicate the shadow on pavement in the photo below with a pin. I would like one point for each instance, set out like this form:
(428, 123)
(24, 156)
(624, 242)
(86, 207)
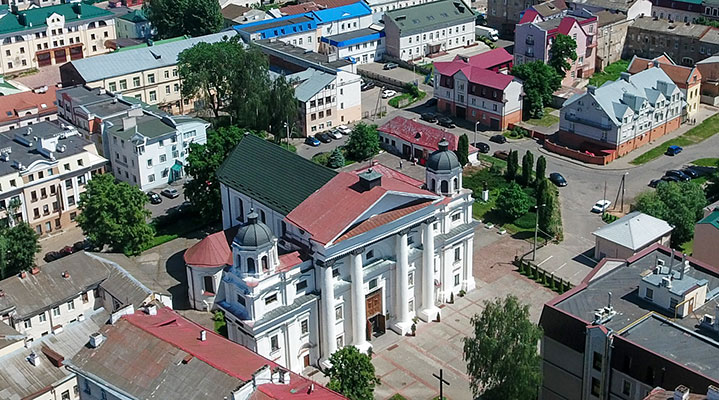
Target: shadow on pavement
(175, 266)
(586, 258)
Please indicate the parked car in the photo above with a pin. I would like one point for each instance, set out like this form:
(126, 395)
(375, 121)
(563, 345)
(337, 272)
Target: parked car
(691, 172)
(387, 93)
(674, 150)
(501, 154)
(678, 174)
(154, 198)
(335, 134)
(698, 171)
(310, 140)
(429, 117)
(367, 86)
(482, 147)
(344, 129)
(52, 256)
(656, 182)
(170, 193)
(601, 205)
(557, 179)
(445, 122)
(323, 137)
(498, 139)
(390, 65)
(81, 245)
(67, 250)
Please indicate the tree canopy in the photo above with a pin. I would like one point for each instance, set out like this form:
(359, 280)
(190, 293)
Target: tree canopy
(18, 246)
(512, 201)
(336, 159)
(173, 18)
(502, 357)
(564, 48)
(540, 81)
(352, 374)
(712, 187)
(680, 204)
(363, 142)
(114, 214)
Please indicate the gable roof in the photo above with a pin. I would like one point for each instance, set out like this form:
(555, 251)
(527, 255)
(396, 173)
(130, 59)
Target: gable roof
(634, 230)
(491, 58)
(711, 219)
(12, 106)
(677, 73)
(135, 16)
(331, 210)
(210, 252)
(312, 81)
(420, 134)
(36, 18)
(430, 16)
(275, 177)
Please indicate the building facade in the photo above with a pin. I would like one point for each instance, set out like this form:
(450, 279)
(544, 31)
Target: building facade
(706, 233)
(623, 115)
(38, 37)
(505, 14)
(362, 46)
(678, 11)
(612, 31)
(134, 25)
(685, 43)
(27, 108)
(415, 32)
(688, 79)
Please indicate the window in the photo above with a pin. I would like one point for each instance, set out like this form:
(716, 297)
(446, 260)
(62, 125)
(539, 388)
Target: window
(28, 324)
(56, 311)
(208, 284)
(149, 162)
(626, 387)
(71, 305)
(73, 215)
(456, 280)
(70, 200)
(411, 305)
(410, 279)
(42, 317)
(305, 326)
(340, 341)
(85, 298)
(457, 254)
(339, 314)
(301, 285)
(153, 95)
(271, 299)
(163, 158)
(649, 294)
(274, 343)
(597, 361)
(335, 272)
(595, 387)
(136, 81)
(123, 84)
(241, 300)
(65, 395)
(456, 217)
(151, 178)
(112, 87)
(151, 78)
(673, 304)
(369, 255)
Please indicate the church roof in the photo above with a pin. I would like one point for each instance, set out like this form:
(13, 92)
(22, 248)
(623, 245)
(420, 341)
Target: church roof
(210, 252)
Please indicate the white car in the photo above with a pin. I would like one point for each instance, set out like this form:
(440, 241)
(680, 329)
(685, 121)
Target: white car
(344, 129)
(601, 206)
(335, 134)
(387, 93)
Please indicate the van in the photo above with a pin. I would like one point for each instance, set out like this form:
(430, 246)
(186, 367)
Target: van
(485, 31)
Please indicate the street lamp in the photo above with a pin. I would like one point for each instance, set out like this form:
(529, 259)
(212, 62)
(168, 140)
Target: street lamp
(536, 229)
(287, 127)
(476, 124)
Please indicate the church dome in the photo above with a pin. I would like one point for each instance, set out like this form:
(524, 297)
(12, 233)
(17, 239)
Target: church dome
(443, 159)
(254, 233)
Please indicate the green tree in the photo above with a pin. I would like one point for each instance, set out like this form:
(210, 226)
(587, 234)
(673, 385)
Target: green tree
(547, 202)
(203, 160)
(512, 201)
(502, 357)
(249, 92)
(412, 89)
(564, 48)
(527, 166)
(281, 108)
(352, 374)
(202, 17)
(173, 18)
(712, 187)
(463, 149)
(679, 204)
(114, 214)
(540, 81)
(337, 159)
(18, 246)
(541, 169)
(363, 142)
(512, 165)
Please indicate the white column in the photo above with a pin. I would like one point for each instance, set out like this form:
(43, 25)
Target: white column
(359, 311)
(469, 283)
(403, 320)
(429, 310)
(329, 337)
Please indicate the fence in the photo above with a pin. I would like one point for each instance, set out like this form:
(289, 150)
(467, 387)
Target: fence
(578, 155)
(385, 81)
(532, 132)
(539, 275)
(420, 69)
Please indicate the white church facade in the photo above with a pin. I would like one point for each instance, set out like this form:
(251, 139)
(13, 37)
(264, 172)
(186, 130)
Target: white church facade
(312, 260)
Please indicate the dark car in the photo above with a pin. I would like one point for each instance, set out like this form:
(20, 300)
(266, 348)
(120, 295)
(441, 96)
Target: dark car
(691, 173)
(81, 245)
(429, 117)
(698, 171)
(498, 139)
(557, 179)
(673, 150)
(482, 147)
(52, 256)
(154, 198)
(501, 154)
(170, 193)
(678, 174)
(323, 137)
(445, 122)
(67, 250)
(312, 141)
(367, 86)
(655, 182)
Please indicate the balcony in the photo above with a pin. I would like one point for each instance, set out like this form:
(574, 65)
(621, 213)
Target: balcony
(530, 40)
(583, 121)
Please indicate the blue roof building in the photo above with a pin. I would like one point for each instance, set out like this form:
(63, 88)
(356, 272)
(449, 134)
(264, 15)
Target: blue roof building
(360, 46)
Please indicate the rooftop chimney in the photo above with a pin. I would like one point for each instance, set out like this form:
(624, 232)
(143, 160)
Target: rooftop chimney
(152, 309)
(681, 393)
(370, 179)
(128, 123)
(667, 282)
(34, 359)
(96, 340)
(203, 335)
(591, 89)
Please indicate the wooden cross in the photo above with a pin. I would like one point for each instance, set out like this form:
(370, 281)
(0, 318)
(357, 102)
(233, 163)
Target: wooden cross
(441, 382)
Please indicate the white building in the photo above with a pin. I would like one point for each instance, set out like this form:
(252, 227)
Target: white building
(422, 30)
(361, 46)
(384, 251)
(148, 150)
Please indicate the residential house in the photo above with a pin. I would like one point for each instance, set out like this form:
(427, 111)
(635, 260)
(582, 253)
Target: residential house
(504, 15)
(629, 235)
(678, 11)
(533, 42)
(688, 79)
(706, 236)
(416, 141)
(27, 108)
(544, 11)
(622, 115)
(311, 5)
(686, 43)
(612, 29)
(381, 247)
(235, 14)
(466, 90)
(709, 69)
(415, 32)
(43, 170)
(148, 73)
(361, 46)
(38, 37)
(134, 25)
(633, 325)
(631, 8)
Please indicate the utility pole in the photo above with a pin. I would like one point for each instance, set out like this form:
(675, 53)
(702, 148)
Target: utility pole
(441, 382)
(536, 230)
(624, 189)
(604, 198)
(475, 134)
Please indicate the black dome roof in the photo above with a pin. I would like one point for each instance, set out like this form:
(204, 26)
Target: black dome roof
(443, 159)
(254, 233)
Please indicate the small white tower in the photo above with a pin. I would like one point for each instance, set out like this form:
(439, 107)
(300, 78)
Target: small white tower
(254, 248)
(444, 172)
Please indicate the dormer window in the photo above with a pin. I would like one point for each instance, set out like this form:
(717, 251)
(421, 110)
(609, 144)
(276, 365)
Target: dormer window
(369, 255)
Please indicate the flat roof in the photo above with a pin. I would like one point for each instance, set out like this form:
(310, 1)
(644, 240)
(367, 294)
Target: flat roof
(300, 56)
(353, 37)
(674, 28)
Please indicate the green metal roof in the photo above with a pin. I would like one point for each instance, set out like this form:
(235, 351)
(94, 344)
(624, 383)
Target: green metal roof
(431, 16)
(712, 219)
(135, 16)
(154, 43)
(34, 18)
(148, 126)
(266, 172)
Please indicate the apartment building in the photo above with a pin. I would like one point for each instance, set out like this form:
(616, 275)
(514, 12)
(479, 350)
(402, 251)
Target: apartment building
(631, 8)
(688, 79)
(148, 74)
(43, 170)
(505, 14)
(623, 115)
(361, 46)
(42, 36)
(419, 31)
(27, 108)
(533, 42)
(134, 25)
(612, 28)
(678, 11)
(633, 325)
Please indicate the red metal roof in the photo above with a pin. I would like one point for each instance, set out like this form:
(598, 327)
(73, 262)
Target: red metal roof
(210, 252)
(474, 74)
(387, 171)
(529, 16)
(289, 260)
(420, 134)
(378, 220)
(490, 59)
(331, 210)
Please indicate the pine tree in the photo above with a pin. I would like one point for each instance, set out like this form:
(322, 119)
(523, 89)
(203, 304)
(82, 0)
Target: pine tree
(463, 149)
(527, 164)
(512, 165)
(541, 170)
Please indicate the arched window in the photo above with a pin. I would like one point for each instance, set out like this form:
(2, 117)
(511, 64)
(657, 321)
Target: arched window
(250, 266)
(434, 185)
(239, 261)
(265, 264)
(102, 23)
(91, 25)
(445, 186)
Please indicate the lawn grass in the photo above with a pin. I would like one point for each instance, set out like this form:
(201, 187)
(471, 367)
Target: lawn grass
(697, 134)
(171, 226)
(220, 324)
(610, 73)
(397, 396)
(502, 164)
(706, 162)
(395, 101)
(547, 120)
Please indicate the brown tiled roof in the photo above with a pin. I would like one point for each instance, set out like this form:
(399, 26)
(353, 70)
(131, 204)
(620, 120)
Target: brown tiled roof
(232, 11)
(677, 73)
(16, 104)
